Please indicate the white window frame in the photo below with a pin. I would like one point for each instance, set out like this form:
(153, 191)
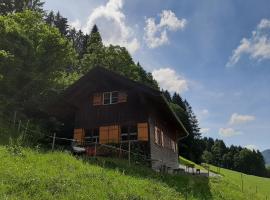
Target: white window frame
(110, 93)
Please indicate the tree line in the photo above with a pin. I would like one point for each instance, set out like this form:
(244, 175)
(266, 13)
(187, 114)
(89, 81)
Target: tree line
(40, 55)
(202, 149)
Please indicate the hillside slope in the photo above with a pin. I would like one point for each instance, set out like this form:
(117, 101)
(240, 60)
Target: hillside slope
(28, 174)
(266, 155)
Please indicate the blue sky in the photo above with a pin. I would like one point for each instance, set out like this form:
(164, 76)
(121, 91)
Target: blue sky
(216, 54)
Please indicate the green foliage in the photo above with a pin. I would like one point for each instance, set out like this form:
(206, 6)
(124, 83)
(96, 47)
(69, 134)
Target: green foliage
(12, 6)
(114, 58)
(35, 55)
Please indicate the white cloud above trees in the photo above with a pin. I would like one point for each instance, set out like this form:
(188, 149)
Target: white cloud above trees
(257, 46)
(156, 35)
(168, 79)
(112, 25)
(240, 119)
(228, 132)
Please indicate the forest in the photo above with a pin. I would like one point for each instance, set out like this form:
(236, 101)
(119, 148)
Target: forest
(41, 55)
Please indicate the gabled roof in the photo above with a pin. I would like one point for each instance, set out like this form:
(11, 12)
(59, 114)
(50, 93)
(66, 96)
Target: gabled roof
(73, 91)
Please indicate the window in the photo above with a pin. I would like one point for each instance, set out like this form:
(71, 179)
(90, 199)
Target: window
(129, 133)
(114, 97)
(106, 98)
(92, 135)
(110, 98)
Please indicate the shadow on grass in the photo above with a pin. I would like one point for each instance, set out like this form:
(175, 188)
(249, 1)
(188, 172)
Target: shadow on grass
(186, 184)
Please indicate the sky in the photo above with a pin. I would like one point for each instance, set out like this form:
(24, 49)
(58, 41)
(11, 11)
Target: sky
(216, 54)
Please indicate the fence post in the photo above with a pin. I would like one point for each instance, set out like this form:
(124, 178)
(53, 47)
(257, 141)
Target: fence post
(95, 153)
(25, 131)
(14, 119)
(242, 182)
(129, 152)
(19, 126)
(53, 143)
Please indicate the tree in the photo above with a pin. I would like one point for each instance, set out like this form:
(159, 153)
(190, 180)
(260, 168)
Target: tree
(207, 157)
(49, 19)
(218, 150)
(34, 56)
(13, 6)
(61, 23)
(115, 58)
(167, 95)
(177, 99)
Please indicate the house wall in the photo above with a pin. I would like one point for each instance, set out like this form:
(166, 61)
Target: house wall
(161, 155)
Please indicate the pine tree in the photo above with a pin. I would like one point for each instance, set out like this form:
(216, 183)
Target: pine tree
(177, 99)
(167, 95)
(95, 50)
(49, 19)
(61, 23)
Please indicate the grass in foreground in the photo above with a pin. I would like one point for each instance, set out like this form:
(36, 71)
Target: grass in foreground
(57, 175)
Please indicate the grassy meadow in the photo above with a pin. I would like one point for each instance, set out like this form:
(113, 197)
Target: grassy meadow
(34, 174)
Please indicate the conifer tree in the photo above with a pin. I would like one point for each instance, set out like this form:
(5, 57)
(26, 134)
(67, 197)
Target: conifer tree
(61, 23)
(167, 95)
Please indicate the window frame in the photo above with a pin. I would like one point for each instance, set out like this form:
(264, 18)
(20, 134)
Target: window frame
(129, 133)
(92, 135)
(110, 97)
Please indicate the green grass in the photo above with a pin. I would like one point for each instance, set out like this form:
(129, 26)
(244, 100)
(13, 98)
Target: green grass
(31, 174)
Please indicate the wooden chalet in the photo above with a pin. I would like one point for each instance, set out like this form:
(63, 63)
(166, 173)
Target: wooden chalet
(108, 108)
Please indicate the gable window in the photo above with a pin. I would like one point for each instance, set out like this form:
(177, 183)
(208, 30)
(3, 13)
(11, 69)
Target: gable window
(129, 133)
(110, 98)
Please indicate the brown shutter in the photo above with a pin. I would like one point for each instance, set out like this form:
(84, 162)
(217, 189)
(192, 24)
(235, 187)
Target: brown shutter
(103, 134)
(122, 97)
(109, 134)
(114, 135)
(79, 135)
(97, 99)
(142, 131)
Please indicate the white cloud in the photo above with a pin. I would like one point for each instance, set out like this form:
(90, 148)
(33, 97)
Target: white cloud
(205, 131)
(228, 132)
(169, 80)
(111, 22)
(240, 119)
(257, 46)
(251, 147)
(156, 34)
(205, 112)
(76, 24)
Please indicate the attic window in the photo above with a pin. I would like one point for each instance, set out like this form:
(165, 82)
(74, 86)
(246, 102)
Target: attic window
(110, 98)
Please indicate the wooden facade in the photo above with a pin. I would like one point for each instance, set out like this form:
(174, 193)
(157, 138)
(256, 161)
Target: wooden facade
(108, 108)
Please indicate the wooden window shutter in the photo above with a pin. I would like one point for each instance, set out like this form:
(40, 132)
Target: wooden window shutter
(122, 97)
(97, 99)
(114, 134)
(79, 135)
(103, 134)
(142, 131)
(156, 135)
(162, 138)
